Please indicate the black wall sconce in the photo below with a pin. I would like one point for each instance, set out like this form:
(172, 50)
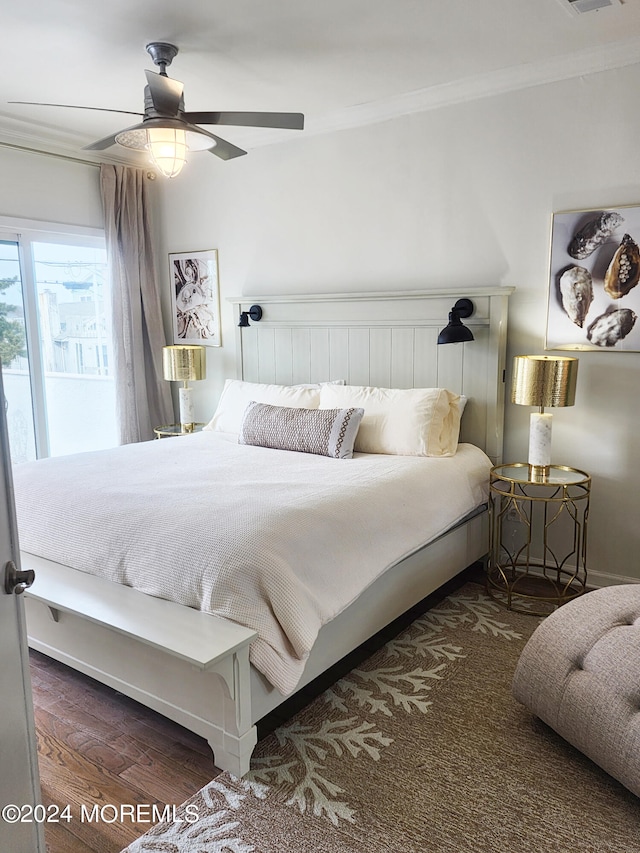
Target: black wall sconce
(455, 332)
(255, 313)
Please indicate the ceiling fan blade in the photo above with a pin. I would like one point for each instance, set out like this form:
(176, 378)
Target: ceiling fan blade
(166, 93)
(108, 141)
(76, 107)
(290, 121)
(101, 144)
(223, 149)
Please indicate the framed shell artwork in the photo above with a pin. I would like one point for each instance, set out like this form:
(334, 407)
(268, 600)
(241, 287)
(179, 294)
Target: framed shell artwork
(594, 298)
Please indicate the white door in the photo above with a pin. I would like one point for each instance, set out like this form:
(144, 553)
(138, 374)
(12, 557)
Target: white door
(20, 820)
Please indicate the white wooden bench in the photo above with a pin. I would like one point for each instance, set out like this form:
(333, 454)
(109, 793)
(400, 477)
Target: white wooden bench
(191, 661)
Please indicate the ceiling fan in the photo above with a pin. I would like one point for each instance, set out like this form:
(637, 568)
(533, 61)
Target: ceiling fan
(167, 131)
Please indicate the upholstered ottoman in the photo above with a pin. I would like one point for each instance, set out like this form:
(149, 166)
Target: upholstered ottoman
(580, 674)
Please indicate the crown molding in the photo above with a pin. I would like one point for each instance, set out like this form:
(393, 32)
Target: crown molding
(502, 81)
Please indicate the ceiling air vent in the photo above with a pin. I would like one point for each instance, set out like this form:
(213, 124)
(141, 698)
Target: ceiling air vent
(579, 7)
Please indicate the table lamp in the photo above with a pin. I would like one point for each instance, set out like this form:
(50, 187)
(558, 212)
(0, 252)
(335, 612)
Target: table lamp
(182, 363)
(542, 380)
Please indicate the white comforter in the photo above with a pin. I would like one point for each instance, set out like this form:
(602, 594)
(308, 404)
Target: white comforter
(280, 542)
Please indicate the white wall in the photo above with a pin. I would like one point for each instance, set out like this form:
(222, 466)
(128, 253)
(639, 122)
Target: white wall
(49, 189)
(458, 196)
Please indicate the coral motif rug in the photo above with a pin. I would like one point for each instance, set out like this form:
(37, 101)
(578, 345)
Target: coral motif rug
(421, 748)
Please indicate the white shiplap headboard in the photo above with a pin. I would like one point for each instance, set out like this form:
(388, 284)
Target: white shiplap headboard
(387, 340)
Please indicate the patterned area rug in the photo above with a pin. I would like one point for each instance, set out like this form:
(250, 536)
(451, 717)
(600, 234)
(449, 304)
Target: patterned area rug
(421, 748)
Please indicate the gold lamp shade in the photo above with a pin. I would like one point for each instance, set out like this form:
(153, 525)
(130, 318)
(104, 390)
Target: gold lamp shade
(182, 363)
(544, 380)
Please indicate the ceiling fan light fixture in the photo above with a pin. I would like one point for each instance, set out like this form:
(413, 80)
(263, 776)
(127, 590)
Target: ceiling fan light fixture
(168, 149)
(166, 140)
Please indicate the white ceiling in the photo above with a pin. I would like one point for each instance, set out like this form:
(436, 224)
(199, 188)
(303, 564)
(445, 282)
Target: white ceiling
(340, 62)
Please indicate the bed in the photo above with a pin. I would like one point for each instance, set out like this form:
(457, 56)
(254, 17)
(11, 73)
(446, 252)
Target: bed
(179, 648)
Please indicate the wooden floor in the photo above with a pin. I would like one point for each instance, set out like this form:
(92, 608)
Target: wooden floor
(97, 747)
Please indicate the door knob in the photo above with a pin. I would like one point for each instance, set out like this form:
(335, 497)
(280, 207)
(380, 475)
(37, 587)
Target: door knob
(16, 581)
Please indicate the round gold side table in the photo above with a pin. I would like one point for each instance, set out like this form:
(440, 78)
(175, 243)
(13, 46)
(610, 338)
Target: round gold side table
(176, 429)
(538, 537)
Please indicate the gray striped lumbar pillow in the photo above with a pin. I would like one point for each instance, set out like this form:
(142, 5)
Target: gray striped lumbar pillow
(325, 432)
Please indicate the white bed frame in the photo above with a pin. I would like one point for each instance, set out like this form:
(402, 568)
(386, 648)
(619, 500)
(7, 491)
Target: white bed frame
(193, 667)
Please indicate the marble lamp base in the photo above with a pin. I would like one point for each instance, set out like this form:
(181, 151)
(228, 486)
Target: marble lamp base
(540, 445)
(187, 416)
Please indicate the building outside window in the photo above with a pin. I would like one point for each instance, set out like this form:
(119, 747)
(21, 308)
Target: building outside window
(55, 342)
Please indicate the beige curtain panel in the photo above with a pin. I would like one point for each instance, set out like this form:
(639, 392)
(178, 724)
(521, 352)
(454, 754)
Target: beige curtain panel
(143, 397)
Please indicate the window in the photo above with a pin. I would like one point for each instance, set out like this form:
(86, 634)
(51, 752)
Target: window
(55, 343)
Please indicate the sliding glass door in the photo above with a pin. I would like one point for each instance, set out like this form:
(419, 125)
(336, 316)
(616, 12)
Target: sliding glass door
(13, 352)
(55, 344)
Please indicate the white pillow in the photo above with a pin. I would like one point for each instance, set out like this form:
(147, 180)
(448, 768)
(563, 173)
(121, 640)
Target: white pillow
(236, 396)
(320, 384)
(404, 422)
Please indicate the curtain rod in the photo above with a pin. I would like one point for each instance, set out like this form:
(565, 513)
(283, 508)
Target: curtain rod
(151, 175)
(29, 150)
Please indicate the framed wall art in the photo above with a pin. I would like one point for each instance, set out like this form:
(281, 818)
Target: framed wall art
(195, 295)
(594, 297)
